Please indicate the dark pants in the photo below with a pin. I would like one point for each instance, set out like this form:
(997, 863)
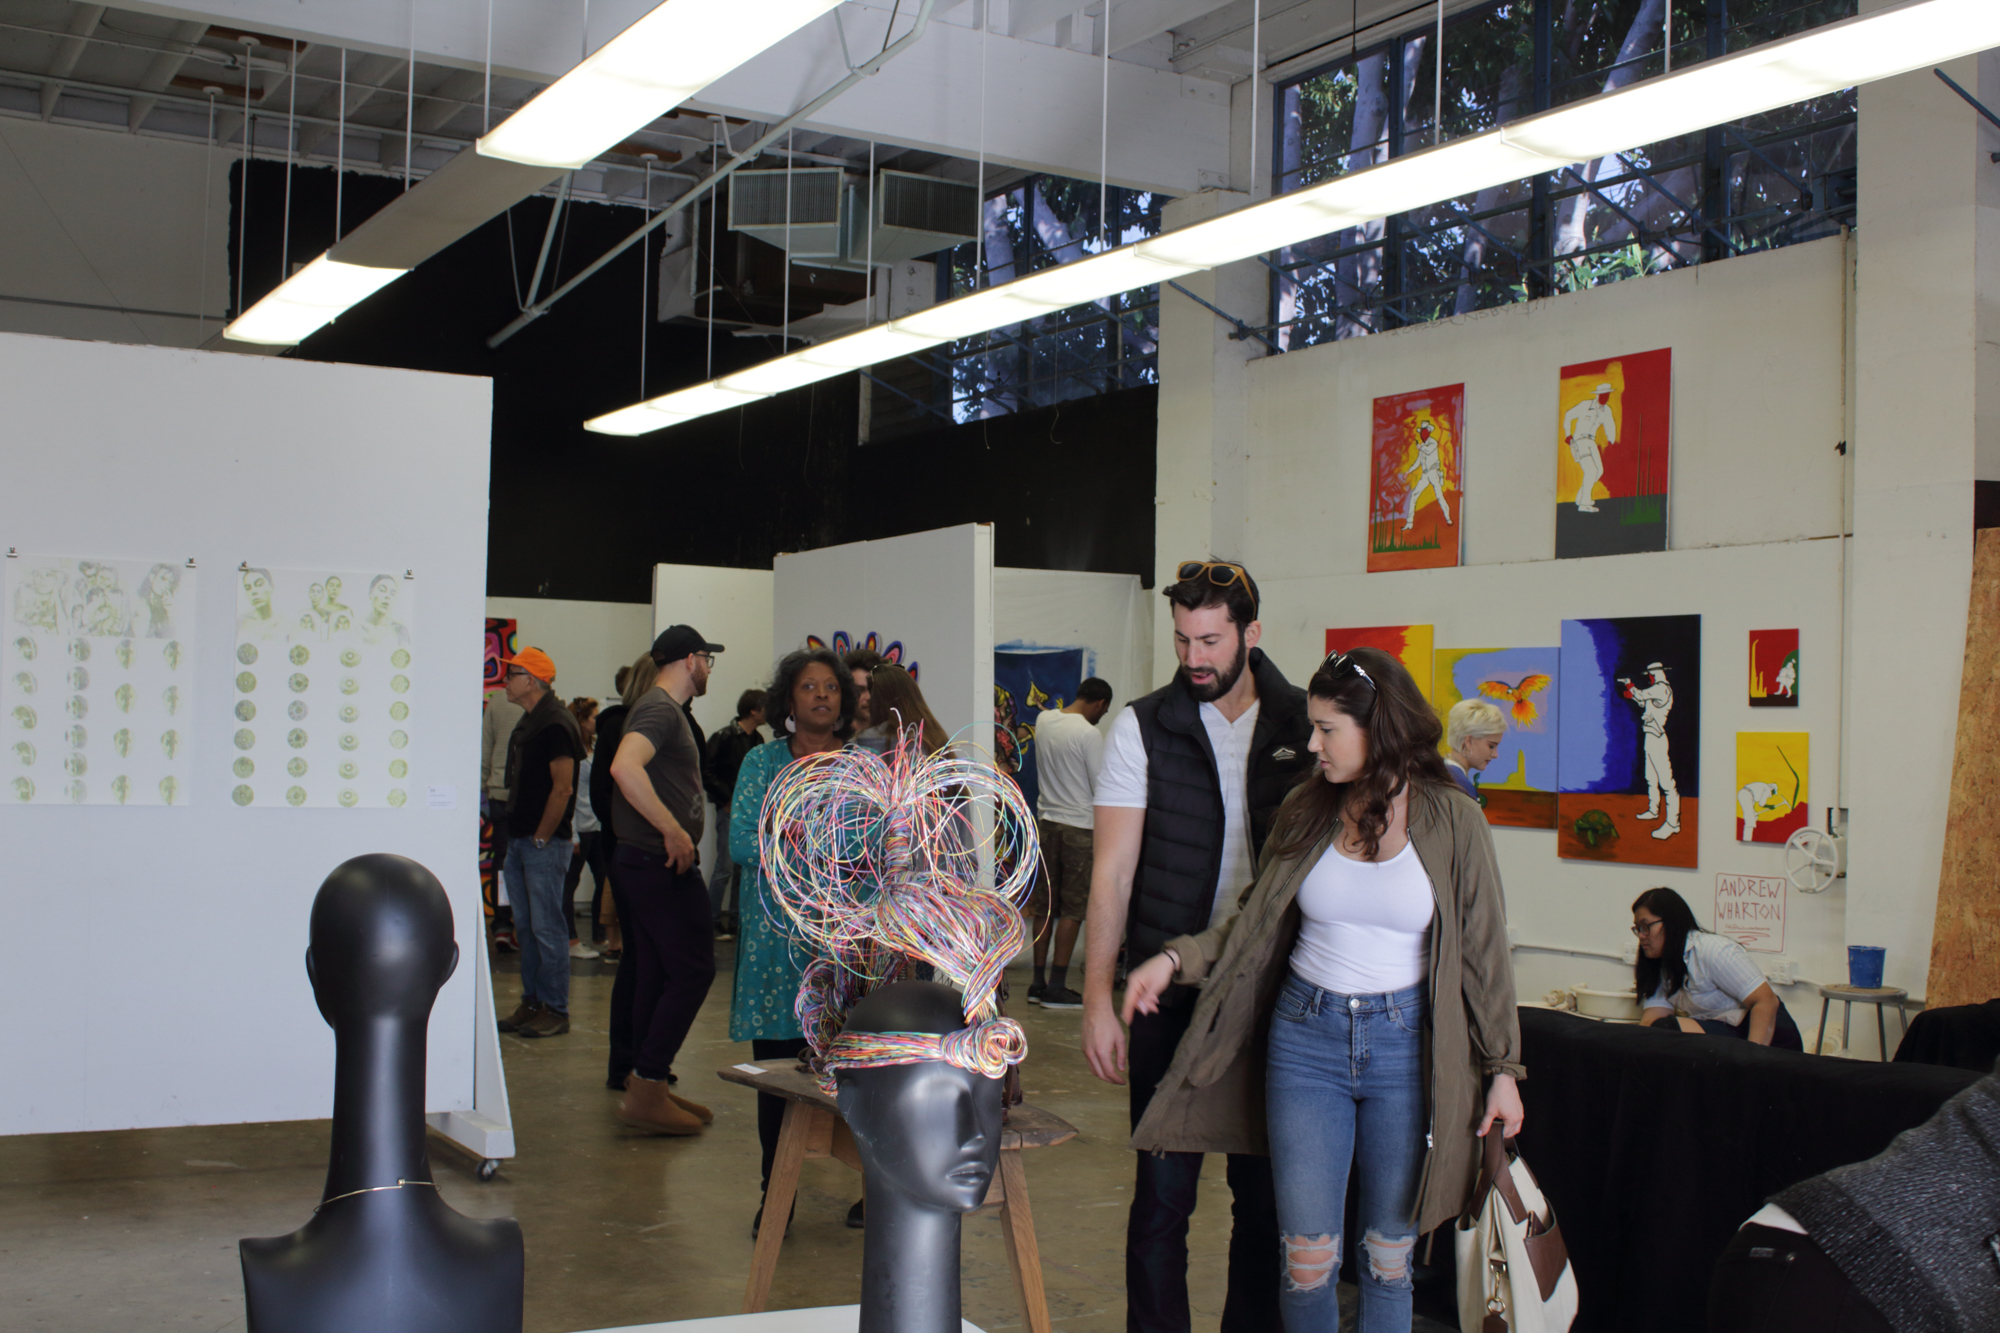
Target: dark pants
(1156, 1250)
(1772, 1281)
(589, 852)
(1785, 1034)
(668, 926)
(779, 1054)
(623, 983)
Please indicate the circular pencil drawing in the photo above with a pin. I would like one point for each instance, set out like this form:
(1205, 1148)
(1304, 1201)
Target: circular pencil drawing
(400, 684)
(246, 681)
(298, 682)
(400, 658)
(350, 770)
(24, 717)
(78, 738)
(124, 653)
(121, 787)
(75, 765)
(398, 769)
(79, 679)
(350, 659)
(170, 699)
(244, 766)
(246, 653)
(121, 741)
(170, 788)
(297, 710)
(80, 649)
(397, 796)
(295, 795)
(171, 743)
(296, 767)
(399, 710)
(242, 795)
(300, 654)
(350, 741)
(245, 738)
(245, 711)
(25, 647)
(79, 707)
(348, 712)
(349, 797)
(79, 791)
(172, 652)
(349, 685)
(296, 738)
(398, 739)
(24, 752)
(24, 681)
(24, 789)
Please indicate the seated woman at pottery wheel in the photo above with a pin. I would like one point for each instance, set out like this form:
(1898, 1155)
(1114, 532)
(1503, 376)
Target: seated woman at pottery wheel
(1694, 980)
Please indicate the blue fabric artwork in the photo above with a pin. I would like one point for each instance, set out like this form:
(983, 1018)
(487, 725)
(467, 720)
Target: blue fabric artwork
(1025, 681)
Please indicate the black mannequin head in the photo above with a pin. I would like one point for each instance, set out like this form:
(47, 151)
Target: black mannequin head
(381, 941)
(929, 1131)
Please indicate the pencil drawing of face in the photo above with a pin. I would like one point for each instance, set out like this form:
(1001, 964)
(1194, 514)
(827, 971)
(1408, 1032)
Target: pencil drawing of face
(24, 752)
(257, 590)
(77, 738)
(24, 682)
(382, 595)
(24, 789)
(25, 646)
(79, 707)
(79, 678)
(24, 717)
(75, 765)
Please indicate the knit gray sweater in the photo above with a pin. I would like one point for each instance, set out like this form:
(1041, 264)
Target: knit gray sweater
(1917, 1227)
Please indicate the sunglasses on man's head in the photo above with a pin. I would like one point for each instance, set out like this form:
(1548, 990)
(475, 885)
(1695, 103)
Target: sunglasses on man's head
(1222, 573)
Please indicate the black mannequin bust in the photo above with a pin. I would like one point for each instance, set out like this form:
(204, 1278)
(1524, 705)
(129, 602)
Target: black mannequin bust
(929, 1135)
(382, 1253)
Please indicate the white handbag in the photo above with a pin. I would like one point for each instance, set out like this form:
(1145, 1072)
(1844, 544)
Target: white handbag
(1514, 1274)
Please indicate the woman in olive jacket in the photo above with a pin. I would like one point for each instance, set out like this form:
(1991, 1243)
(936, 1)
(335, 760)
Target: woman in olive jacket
(1400, 1066)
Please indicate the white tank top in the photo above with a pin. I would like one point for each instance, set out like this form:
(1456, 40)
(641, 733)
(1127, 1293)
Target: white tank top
(1367, 924)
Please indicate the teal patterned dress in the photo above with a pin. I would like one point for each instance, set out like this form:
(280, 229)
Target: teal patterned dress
(769, 962)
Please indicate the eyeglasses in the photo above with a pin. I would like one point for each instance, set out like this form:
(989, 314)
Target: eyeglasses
(513, 672)
(1643, 928)
(1338, 664)
(1222, 573)
(708, 659)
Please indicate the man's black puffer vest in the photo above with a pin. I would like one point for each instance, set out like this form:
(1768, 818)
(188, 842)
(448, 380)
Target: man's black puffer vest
(1181, 853)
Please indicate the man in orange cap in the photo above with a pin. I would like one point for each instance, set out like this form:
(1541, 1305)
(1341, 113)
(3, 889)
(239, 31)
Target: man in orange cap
(542, 757)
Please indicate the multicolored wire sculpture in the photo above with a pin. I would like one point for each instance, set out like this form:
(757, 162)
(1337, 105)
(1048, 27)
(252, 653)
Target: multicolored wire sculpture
(885, 861)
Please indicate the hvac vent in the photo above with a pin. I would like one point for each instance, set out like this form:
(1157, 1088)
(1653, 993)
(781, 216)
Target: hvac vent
(921, 215)
(759, 200)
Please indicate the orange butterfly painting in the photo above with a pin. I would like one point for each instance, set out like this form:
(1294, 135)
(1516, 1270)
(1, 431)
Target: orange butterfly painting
(1522, 696)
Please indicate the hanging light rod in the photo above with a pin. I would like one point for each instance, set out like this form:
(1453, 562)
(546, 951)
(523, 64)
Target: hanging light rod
(667, 56)
(1904, 37)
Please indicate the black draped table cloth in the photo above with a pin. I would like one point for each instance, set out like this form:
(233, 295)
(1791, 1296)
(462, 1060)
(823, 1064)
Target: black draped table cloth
(1654, 1147)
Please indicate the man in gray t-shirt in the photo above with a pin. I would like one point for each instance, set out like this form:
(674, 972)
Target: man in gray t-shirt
(669, 928)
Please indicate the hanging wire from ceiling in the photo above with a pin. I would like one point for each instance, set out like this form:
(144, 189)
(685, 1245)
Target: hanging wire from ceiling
(1256, 86)
(410, 101)
(1437, 96)
(785, 274)
(1104, 136)
(243, 186)
(715, 131)
(291, 140)
(980, 265)
(340, 147)
(207, 212)
(645, 267)
(868, 307)
(486, 115)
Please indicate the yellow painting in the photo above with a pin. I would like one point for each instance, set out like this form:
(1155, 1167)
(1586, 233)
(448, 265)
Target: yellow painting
(1771, 791)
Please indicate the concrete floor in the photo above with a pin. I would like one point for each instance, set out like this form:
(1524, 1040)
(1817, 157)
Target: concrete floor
(138, 1229)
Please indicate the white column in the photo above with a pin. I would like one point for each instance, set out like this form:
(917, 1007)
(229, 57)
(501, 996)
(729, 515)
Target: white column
(1927, 235)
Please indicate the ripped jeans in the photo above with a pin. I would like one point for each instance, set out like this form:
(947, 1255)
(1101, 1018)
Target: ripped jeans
(1346, 1088)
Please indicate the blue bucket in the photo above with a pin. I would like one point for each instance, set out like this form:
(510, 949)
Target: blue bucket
(1864, 966)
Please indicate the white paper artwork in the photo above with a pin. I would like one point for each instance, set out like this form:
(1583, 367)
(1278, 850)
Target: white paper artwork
(322, 693)
(97, 681)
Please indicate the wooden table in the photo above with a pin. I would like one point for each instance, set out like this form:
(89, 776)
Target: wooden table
(814, 1128)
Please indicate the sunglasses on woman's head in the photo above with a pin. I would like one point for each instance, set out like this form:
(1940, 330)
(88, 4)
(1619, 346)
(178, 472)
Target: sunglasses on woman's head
(1341, 664)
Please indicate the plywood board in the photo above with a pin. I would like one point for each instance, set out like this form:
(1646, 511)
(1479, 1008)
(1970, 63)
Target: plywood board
(1965, 945)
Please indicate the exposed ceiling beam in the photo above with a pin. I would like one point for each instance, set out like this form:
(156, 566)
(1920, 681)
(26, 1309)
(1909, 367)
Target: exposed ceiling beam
(162, 70)
(82, 22)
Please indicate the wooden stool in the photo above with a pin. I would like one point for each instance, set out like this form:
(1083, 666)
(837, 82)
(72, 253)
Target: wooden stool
(1849, 996)
(814, 1128)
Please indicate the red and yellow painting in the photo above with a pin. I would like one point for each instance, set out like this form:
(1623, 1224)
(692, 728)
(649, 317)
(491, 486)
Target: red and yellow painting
(1612, 460)
(1774, 668)
(1771, 791)
(1416, 506)
(1409, 644)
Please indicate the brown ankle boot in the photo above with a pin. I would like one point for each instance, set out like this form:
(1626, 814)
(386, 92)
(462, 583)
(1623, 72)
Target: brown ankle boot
(648, 1104)
(695, 1109)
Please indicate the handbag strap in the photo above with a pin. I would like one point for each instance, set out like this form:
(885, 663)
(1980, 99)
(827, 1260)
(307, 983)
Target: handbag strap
(1493, 1172)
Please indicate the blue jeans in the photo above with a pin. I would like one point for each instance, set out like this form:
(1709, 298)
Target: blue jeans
(1346, 1087)
(535, 878)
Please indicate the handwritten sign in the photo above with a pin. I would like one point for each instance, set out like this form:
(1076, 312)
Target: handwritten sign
(1750, 909)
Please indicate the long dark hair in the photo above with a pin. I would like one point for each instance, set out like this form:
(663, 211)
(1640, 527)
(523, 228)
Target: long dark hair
(778, 698)
(1669, 972)
(1376, 691)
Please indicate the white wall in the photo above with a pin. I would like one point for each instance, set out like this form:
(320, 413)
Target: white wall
(102, 219)
(588, 641)
(731, 607)
(201, 910)
(1106, 613)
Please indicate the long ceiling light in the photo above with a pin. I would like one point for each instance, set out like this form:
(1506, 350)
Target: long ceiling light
(1824, 60)
(666, 57)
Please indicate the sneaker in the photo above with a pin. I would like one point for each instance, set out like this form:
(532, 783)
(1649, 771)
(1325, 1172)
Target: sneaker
(1061, 997)
(523, 1011)
(504, 942)
(1036, 990)
(578, 949)
(547, 1022)
(649, 1104)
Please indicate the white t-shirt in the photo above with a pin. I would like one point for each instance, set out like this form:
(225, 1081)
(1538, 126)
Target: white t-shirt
(1068, 753)
(586, 818)
(1367, 924)
(1720, 976)
(1122, 783)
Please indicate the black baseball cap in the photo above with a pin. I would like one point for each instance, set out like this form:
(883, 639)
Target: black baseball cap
(678, 641)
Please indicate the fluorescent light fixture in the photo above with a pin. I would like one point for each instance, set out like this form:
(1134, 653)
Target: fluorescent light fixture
(644, 72)
(309, 298)
(1825, 60)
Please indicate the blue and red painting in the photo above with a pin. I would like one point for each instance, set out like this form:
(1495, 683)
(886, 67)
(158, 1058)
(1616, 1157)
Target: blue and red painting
(1629, 740)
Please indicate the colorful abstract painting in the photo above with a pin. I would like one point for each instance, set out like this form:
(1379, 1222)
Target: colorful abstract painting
(1027, 680)
(1518, 788)
(1612, 455)
(1416, 506)
(843, 643)
(502, 640)
(1771, 789)
(1774, 668)
(1409, 644)
(1628, 740)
